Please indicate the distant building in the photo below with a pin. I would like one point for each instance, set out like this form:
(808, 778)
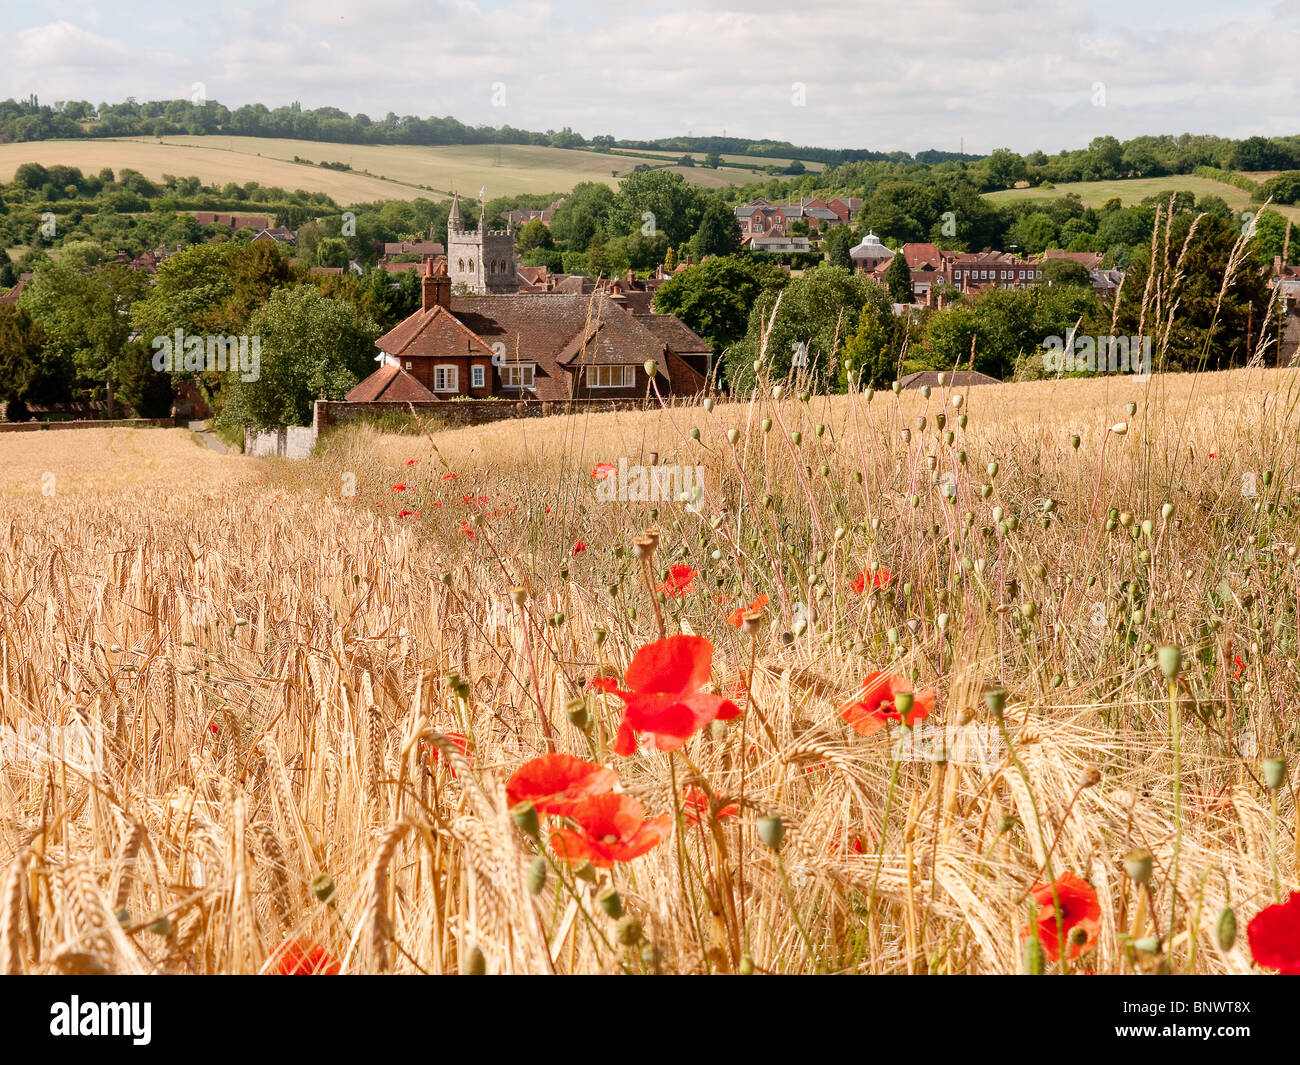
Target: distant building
(482, 259)
(869, 253)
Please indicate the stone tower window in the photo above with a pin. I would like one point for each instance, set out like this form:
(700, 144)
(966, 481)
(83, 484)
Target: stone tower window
(471, 264)
(460, 265)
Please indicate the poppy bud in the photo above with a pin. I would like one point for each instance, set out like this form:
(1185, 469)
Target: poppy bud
(1137, 864)
(322, 886)
(771, 830)
(473, 964)
(586, 871)
(161, 927)
(1171, 661)
(903, 703)
(123, 916)
(746, 966)
(628, 931)
(535, 878)
(993, 468)
(610, 902)
(525, 818)
(1225, 929)
(1274, 772)
(996, 700)
(1033, 957)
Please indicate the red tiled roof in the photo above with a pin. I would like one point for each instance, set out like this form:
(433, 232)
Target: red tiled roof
(389, 384)
(435, 333)
(675, 333)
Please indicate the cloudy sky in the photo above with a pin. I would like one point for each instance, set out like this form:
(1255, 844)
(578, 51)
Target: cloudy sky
(885, 75)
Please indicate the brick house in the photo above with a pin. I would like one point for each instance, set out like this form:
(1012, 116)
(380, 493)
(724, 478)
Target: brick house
(542, 346)
(761, 217)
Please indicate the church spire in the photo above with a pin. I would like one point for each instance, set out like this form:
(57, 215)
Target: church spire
(454, 220)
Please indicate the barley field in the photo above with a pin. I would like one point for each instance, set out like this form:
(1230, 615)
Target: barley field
(347, 714)
(379, 171)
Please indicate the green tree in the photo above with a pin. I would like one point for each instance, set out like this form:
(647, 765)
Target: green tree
(871, 350)
(534, 234)
(718, 232)
(24, 376)
(1065, 272)
(817, 314)
(659, 201)
(838, 247)
(898, 279)
(714, 297)
(1033, 233)
(584, 211)
(311, 348)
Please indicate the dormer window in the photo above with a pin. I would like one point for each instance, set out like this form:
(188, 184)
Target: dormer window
(518, 375)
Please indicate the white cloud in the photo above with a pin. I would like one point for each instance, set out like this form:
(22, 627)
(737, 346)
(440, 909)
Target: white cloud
(929, 74)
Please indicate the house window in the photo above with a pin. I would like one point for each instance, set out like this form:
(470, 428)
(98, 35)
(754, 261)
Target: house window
(611, 376)
(476, 376)
(518, 375)
(408, 364)
(446, 379)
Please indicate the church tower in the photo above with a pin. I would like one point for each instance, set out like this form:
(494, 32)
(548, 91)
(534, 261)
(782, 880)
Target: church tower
(482, 259)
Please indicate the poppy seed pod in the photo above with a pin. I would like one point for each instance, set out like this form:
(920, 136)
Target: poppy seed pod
(651, 367)
(1225, 929)
(746, 965)
(577, 713)
(519, 595)
(629, 931)
(322, 886)
(161, 927)
(767, 425)
(957, 401)
(778, 391)
(474, 963)
(609, 901)
(925, 391)
(733, 435)
(996, 700)
(1119, 428)
(535, 878)
(643, 547)
(903, 703)
(586, 871)
(1137, 865)
(1274, 772)
(1171, 660)
(771, 830)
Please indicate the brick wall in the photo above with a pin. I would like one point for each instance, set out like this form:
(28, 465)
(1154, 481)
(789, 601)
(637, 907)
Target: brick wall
(102, 423)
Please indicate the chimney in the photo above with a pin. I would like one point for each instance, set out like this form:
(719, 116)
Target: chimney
(435, 288)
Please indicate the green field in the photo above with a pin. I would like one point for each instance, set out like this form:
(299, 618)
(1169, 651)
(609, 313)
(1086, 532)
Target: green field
(1135, 190)
(378, 171)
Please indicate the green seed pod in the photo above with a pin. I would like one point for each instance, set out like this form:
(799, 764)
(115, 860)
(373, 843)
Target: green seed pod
(796, 438)
(474, 963)
(819, 429)
(996, 700)
(535, 878)
(322, 886)
(629, 931)
(586, 871)
(695, 433)
(651, 367)
(123, 916)
(1225, 929)
(1167, 511)
(767, 425)
(161, 927)
(708, 405)
(610, 902)
(1074, 442)
(993, 469)
(961, 419)
(1033, 956)
(746, 965)
(1274, 772)
(1171, 661)
(771, 830)
(1137, 864)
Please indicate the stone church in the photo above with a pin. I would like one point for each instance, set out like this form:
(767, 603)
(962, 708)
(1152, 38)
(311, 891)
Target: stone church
(482, 259)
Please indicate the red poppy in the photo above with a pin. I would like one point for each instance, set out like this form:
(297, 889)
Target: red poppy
(579, 547)
(1241, 667)
(302, 957)
(603, 470)
(412, 462)
(737, 617)
(611, 828)
(680, 579)
(1274, 935)
(695, 804)
(556, 783)
(448, 476)
(878, 579)
(399, 487)
(873, 705)
(1079, 909)
(408, 513)
(663, 696)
